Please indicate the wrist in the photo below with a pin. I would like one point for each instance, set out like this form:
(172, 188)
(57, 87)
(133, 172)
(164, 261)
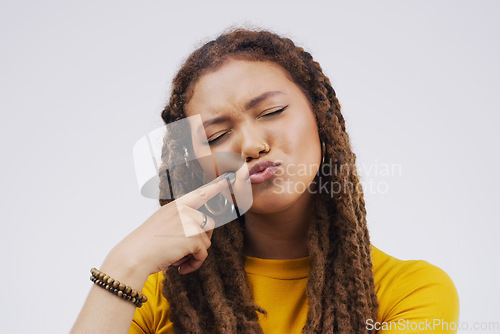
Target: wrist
(124, 270)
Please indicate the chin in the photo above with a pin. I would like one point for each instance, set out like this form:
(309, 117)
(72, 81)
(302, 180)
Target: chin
(271, 203)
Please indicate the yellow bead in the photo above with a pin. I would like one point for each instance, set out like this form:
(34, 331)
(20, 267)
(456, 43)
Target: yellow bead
(128, 290)
(133, 293)
(120, 293)
(121, 287)
(116, 284)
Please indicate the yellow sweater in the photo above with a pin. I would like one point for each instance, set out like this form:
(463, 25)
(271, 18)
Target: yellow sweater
(414, 297)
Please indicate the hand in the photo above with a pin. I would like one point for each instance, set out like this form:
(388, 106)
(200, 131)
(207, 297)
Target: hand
(161, 240)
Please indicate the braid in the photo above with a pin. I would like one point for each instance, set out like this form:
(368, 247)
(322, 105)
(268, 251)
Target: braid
(220, 305)
(340, 288)
(181, 311)
(317, 243)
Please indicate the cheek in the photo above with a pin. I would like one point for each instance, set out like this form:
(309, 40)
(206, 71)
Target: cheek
(302, 150)
(303, 139)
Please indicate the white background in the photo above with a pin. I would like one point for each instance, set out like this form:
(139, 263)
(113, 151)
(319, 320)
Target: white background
(81, 82)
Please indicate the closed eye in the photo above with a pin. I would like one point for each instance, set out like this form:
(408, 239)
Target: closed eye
(274, 112)
(213, 141)
(222, 134)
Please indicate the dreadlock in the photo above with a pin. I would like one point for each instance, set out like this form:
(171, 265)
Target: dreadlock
(340, 288)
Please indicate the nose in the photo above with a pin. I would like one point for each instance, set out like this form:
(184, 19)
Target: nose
(252, 143)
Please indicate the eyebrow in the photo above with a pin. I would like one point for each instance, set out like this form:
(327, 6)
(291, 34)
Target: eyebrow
(256, 100)
(249, 105)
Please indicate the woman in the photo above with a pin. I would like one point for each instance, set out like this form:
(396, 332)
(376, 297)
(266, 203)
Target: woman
(300, 259)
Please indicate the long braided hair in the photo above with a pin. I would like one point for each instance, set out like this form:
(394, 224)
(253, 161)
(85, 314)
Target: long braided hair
(340, 287)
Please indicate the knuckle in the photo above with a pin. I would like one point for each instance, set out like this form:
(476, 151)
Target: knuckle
(206, 240)
(204, 254)
(182, 209)
(202, 193)
(192, 248)
(185, 212)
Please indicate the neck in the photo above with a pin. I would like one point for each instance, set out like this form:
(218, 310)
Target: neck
(280, 235)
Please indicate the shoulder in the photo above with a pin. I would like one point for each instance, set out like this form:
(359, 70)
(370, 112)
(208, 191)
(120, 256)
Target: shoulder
(413, 289)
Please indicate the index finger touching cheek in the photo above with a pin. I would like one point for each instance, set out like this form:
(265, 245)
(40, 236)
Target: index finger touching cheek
(200, 196)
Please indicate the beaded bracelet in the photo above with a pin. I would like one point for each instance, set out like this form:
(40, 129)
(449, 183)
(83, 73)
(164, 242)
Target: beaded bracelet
(117, 288)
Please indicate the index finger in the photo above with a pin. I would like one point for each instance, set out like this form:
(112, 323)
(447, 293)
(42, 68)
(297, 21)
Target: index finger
(200, 196)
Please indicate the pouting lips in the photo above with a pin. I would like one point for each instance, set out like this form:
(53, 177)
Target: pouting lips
(261, 165)
(263, 170)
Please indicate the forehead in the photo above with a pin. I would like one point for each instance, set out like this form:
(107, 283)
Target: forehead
(236, 82)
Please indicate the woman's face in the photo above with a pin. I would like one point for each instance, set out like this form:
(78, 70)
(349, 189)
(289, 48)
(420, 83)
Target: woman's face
(246, 104)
